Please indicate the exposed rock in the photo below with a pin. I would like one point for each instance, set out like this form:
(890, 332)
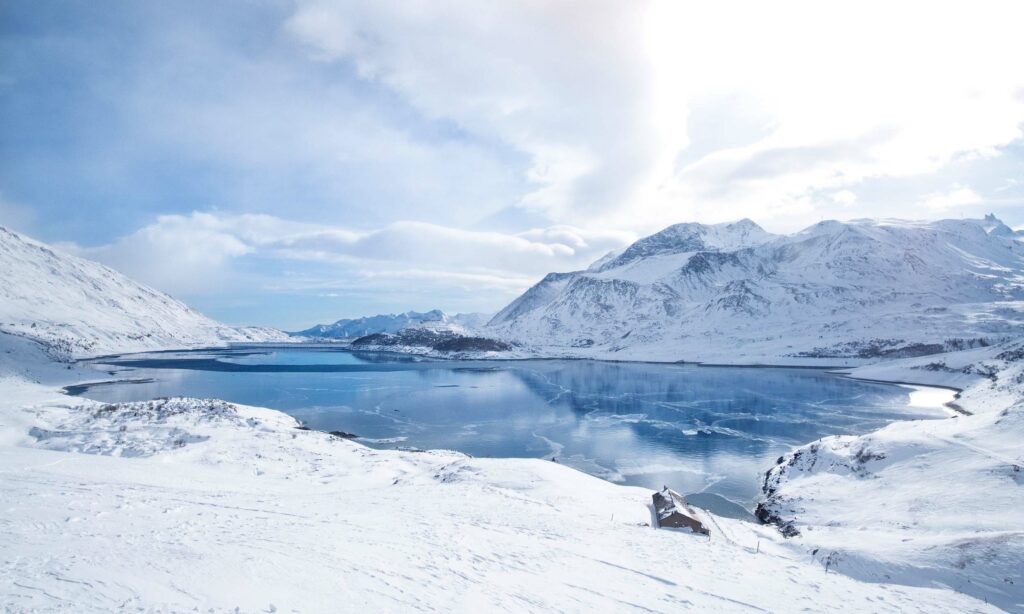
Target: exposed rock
(435, 340)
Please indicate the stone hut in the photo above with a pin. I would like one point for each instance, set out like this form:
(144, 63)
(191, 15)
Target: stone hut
(673, 512)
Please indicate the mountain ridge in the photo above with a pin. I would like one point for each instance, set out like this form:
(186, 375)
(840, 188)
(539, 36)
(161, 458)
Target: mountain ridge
(736, 293)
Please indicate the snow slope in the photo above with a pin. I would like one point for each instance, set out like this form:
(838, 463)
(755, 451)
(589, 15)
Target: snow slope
(835, 293)
(392, 323)
(922, 502)
(180, 504)
(79, 308)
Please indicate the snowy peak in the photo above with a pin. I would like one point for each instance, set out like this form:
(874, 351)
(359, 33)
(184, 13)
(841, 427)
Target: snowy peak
(893, 249)
(76, 307)
(735, 235)
(994, 226)
(690, 237)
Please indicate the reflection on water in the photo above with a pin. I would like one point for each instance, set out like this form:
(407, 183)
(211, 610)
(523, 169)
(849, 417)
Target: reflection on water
(709, 430)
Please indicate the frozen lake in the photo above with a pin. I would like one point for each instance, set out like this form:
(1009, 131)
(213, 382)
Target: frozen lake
(708, 432)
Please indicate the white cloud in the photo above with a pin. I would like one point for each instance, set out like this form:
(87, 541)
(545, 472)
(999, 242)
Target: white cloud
(568, 83)
(958, 196)
(181, 255)
(470, 282)
(281, 135)
(598, 94)
(853, 91)
(844, 198)
(197, 253)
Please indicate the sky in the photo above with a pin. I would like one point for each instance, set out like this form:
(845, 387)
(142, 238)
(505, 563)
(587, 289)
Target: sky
(285, 163)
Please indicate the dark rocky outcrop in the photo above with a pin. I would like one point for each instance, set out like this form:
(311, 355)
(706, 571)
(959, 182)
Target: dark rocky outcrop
(438, 340)
(472, 344)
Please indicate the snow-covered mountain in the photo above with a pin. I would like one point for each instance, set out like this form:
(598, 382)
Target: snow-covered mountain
(77, 307)
(834, 292)
(392, 323)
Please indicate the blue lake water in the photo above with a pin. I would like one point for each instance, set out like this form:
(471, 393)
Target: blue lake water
(709, 432)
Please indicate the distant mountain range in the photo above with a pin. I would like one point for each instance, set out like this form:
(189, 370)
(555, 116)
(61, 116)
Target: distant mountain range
(736, 293)
(393, 323)
(76, 307)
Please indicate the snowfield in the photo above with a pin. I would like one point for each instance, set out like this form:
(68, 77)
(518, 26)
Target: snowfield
(180, 504)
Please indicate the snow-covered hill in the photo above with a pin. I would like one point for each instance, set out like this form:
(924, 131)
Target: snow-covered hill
(392, 323)
(922, 502)
(77, 307)
(837, 292)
